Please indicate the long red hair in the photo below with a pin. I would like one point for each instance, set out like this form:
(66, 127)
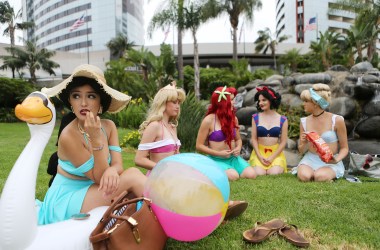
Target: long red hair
(225, 112)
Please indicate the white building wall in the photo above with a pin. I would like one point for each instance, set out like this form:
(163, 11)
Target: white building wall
(106, 21)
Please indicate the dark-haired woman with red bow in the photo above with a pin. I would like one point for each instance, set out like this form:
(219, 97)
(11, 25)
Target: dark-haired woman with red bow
(269, 134)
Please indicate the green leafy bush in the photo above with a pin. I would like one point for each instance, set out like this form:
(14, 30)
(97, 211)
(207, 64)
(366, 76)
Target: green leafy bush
(130, 117)
(13, 91)
(262, 74)
(294, 118)
(192, 113)
(131, 139)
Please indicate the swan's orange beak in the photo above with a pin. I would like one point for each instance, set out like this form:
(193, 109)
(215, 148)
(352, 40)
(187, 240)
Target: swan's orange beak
(34, 109)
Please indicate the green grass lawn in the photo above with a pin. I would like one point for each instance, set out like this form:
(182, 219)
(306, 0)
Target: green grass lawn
(338, 215)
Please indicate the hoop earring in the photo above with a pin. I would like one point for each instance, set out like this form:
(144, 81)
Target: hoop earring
(100, 110)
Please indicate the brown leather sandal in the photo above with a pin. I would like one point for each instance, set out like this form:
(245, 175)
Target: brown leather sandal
(291, 234)
(263, 231)
(235, 209)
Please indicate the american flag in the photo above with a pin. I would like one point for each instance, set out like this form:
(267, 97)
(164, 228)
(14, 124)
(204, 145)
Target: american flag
(77, 23)
(312, 24)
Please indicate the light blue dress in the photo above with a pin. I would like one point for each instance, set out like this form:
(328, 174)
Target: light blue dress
(313, 160)
(65, 195)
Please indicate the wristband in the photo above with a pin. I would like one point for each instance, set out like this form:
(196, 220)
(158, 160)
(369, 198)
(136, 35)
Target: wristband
(98, 148)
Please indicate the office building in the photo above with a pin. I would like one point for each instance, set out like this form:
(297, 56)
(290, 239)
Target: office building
(75, 25)
(302, 20)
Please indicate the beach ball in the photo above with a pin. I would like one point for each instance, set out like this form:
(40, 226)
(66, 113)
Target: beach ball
(189, 194)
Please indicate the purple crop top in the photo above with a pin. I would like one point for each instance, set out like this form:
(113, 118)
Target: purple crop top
(218, 135)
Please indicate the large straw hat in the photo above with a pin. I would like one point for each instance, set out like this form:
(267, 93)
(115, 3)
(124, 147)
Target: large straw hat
(118, 99)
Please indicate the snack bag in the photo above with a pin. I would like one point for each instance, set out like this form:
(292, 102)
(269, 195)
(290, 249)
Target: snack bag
(323, 149)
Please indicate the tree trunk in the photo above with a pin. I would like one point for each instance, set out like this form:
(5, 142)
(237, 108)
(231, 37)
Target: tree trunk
(180, 56)
(196, 68)
(235, 55)
(11, 33)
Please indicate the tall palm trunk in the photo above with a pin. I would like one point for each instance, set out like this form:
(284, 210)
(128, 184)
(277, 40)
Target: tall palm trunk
(180, 27)
(180, 55)
(196, 68)
(234, 32)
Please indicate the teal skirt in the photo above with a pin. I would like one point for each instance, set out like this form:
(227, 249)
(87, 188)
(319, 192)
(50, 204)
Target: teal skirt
(63, 199)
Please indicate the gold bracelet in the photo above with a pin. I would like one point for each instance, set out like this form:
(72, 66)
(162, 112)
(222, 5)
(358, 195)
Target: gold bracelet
(98, 148)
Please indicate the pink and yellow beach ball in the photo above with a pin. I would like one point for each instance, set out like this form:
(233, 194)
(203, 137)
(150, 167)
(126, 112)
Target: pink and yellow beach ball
(189, 194)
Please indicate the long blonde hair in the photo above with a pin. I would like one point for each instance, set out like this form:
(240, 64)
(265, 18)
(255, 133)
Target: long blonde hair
(321, 89)
(156, 111)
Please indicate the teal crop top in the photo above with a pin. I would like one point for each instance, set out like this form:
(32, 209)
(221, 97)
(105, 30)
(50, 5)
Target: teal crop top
(68, 167)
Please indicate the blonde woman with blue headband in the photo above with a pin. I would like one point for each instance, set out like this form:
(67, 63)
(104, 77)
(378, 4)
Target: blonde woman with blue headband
(330, 127)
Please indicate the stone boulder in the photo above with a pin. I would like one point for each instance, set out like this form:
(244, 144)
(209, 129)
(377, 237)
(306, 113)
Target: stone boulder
(301, 87)
(313, 78)
(373, 107)
(292, 100)
(244, 115)
(361, 67)
(344, 106)
(369, 128)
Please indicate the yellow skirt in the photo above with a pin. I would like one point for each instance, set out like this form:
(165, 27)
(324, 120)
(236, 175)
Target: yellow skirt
(267, 151)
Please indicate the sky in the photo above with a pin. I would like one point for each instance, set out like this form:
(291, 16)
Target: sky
(216, 31)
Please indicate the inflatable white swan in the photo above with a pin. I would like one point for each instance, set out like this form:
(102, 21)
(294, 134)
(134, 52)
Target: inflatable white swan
(18, 213)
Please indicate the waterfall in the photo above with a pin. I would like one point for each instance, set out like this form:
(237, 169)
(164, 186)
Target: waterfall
(360, 80)
(376, 97)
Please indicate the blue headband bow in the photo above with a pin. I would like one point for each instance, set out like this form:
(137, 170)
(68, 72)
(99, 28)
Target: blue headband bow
(318, 99)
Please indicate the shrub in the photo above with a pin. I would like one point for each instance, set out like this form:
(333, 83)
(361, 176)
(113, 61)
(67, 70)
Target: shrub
(130, 117)
(192, 113)
(131, 139)
(13, 91)
(294, 118)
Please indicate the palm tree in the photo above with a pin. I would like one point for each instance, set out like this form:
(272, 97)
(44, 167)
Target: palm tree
(326, 47)
(235, 8)
(291, 58)
(267, 41)
(9, 17)
(35, 59)
(367, 12)
(171, 14)
(11, 62)
(118, 45)
(143, 58)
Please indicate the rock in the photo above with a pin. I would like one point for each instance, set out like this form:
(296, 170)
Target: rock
(363, 92)
(272, 83)
(292, 100)
(352, 78)
(370, 78)
(344, 106)
(369, 128)
(288, 81)
(363, 146)
(249, 98)
(373, 107)
(274, 77)
(338, 68)
(244, 115)
(301, 87)
(292, 158)
(361, 67)
(313, 78)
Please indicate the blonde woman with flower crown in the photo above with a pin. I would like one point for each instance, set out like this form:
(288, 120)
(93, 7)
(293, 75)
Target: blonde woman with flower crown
(159, 131)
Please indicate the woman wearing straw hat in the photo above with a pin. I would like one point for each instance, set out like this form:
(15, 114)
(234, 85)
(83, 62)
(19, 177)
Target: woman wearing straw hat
(90, 172)
(332, 130)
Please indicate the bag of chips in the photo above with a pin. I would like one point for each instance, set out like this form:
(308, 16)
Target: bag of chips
(322, 147)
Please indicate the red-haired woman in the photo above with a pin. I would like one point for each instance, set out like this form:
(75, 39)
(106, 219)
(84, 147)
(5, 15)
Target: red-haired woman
(219, 136)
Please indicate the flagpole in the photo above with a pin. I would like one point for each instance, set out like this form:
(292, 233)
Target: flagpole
(88, 52)
(316, 17)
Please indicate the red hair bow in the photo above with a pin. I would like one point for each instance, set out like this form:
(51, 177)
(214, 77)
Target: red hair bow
(265, 88)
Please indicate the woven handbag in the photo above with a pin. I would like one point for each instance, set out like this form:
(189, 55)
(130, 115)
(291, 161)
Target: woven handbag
(128, 224)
